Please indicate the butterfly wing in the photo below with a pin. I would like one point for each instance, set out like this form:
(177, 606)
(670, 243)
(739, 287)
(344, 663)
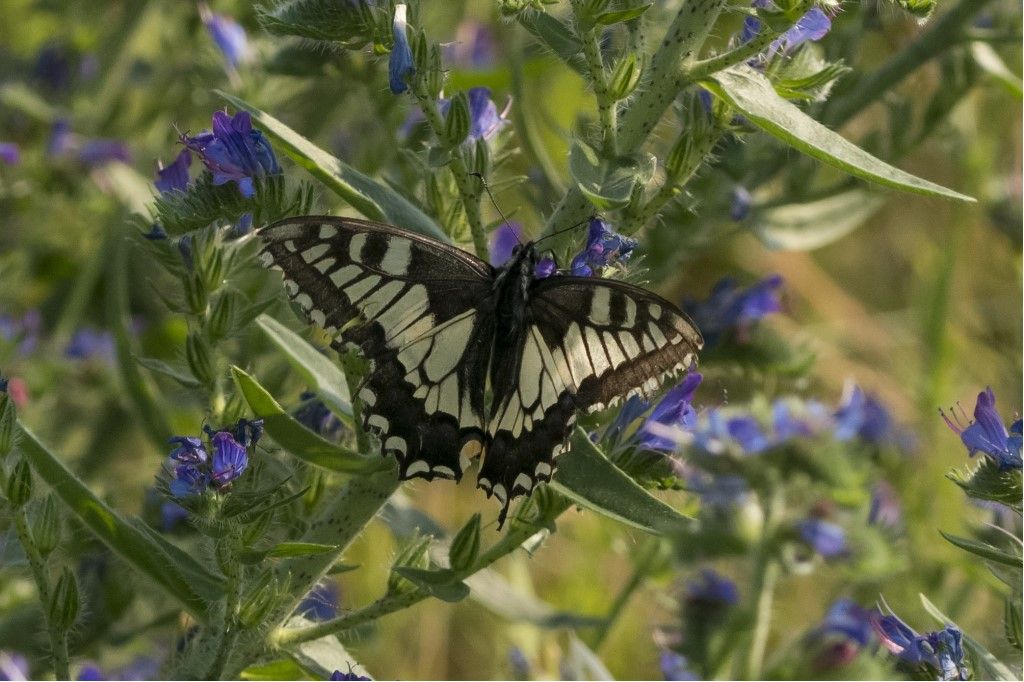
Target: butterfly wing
(417, 309)
(586, 344)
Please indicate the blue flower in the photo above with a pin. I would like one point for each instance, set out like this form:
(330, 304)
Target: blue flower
(941, 651)
(100, 152)
(13, 666)
(234, 151)
(474, 46)
(545, 267)
(229, 459)
(87, 343)
(485, 120)
(350, 675)
(24, 330)
(739, 207)
(3, 384)
(987, 433)
(849, 619)
(188, 480)
(710, 588)
(174, 177)
(812, 26)
(189, 450)
(519, 663)
(156, 233)
(400, 65)
(171, 514)
(321, 603)
(503, 240)
(9, 153)
(62, 140)
(863, 416)
(826, 538)
(228, 34)
(886, 510)
(720, 492)
(672, 413)
(90, 672)
(315, 416)
(604, 247)
(730, 310)
(748, 434)
(675, 666)
(243, 226)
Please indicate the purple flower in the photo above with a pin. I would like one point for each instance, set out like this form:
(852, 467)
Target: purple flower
(61, 140)
(400, 64)
(315, 416)
(188, 480)
(90, 672)
(748, 434)
(519, 663)
(987, 433)
(812, 26)
(4, 382)
(849, 619)
(886, 510)
(234, 151)
(941, 651)
(229, 459)
(739, 208)
(720, 492)
(321, 603)
(350, 675)
(156, 233)
(503, 240)
(24, 330)
(731, 310)
(228, 34)
(174, 177)
(673, 412)
(96, 153)
(675, 666)
(604, 247)
(189, 450)
(863, 416)
(171, 514)
(53, 67)
(13, 666)
(89, 343)
(9, 153)
(485, 120)
(545, 267)
(710, 589)
(826, 538)
(473, 47)
(243, 226)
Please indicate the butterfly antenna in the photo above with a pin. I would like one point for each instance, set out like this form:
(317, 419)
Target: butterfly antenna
(565, 229)
(504, 220)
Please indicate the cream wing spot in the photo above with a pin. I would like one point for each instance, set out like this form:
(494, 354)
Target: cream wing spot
(380, 298)
(630, 318)
(417, 467)
(601, 306)
(328, 231)
(615, 355)
(367, 396)
(378, 421)
(362, 287)
(596, 350)
(324, 265)
(314, 253)
(345, 275)
(656, 334)
(397, 257)
(318, 317)
(304, 301)
(529, 368)
(654, 310)
(355, 247)
(395, 443)
(543, 469)
(629, 345)
(523, 481)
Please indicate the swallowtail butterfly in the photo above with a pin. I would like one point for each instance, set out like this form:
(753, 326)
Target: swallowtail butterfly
(468, 359)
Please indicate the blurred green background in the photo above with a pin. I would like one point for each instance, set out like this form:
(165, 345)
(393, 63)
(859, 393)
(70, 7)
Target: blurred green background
(921, 304)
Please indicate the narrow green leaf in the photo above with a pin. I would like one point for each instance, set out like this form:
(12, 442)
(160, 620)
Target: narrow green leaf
(814, 224)
(373, 199)
(181, 576)
(622, 15)
(437, 583)
(296, 438)
(752, 94)
(607, 184)
(990, 62)
(555, 36)
(321, 375)
(1013, 625)
(986, 666)
(286, 550)
(588, 478)
(161, 367)
(984, 550)
(281, 669)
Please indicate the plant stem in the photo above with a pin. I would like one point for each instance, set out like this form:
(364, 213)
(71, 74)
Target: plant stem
(762, 592)
(58, 638)
(229, 623)
(643, 567)
(606, 108)
(697, 71)
(936, 39)
(519, 533)
(469, 186)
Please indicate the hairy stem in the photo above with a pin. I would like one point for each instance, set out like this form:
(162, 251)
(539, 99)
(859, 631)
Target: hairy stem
(58, 638)
(765, 574)
(229, 623)
(606, 108)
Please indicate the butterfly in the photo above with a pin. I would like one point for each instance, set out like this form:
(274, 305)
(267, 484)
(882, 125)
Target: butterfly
(467, 359)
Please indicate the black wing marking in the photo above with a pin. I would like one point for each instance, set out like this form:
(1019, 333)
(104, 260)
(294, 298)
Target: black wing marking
(587, 344)
(416, 308)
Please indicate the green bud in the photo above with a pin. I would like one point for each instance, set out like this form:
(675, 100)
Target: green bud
(257, 528)
(625, 77)
(222, 317)
(420, 47)
(434, 75)
(456, 123)
(260, 601)
(8, 419)
(64, 604)
(413, 553)
(198, 355)
(46, 526)
(18, 488)
(210, 262)
(482, 158)
(466, 545)
(197, 296)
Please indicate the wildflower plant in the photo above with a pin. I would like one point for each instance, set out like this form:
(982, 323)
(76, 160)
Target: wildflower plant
(746, 481)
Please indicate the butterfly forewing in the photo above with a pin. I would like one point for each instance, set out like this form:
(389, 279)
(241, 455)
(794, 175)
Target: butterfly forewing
(416, 309)
(586, 343)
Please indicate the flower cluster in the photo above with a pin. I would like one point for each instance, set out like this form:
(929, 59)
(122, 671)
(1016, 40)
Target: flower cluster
(987, 433)
(234, 151)
(195, 470)
(940, 653)
(228, 35)
(811, 27)
(87, 343)
(604, 247)
(65, 145)
(844, 632)
(732, 312)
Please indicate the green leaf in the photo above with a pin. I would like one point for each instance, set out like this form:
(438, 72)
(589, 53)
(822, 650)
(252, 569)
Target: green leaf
(321, 375)
(281, 669)
(161, 367)
(323, 656)
(608, 184)
(588, 478)
(555, 36)
(752, 94)
(296, 438)
(373, 199)
(987, 482)
(1012, 623)
(814, 224)
(622, 15)
(992, 64)
(286, 550)
(441, 584)
(181, 576)
(985, 665)
(985, 550)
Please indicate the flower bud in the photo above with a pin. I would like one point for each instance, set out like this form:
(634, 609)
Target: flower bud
(46, 526)
(466, 545)
(624, 78)
(197, 296)
(64, 604)
(222, 316)
(482, 158)
(260, 602)
(18, 488)
(456, 123)
(8, 417)
(197, 354)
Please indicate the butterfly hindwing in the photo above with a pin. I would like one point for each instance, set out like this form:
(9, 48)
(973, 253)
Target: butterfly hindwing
(412, 306)
(586, 344)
